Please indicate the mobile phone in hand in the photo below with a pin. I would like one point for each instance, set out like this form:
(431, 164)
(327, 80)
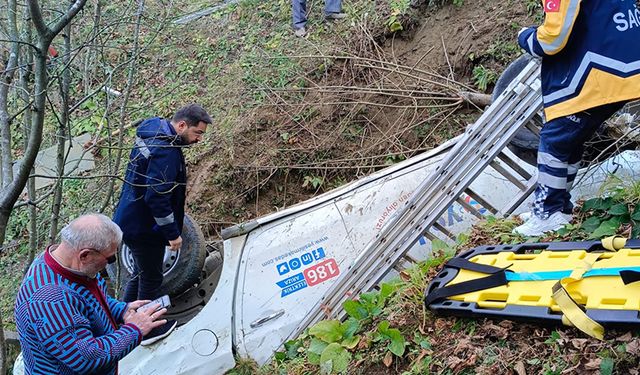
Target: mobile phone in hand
(163, 301)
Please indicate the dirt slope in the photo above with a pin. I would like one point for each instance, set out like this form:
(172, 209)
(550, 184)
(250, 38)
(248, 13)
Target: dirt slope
(345, 118)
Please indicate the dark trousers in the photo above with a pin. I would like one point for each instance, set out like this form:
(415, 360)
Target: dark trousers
(559, 155)
(147, 275)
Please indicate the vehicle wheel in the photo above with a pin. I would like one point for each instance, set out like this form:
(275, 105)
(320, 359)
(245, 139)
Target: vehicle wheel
(182, 268)
(525, 140)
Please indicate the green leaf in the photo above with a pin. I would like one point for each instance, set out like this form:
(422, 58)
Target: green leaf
(619, 209)
(355, 309)
(597, 204)
(635, 232)
(386, 290)
(591, 224)
(313, 358)
(317, 346)
(383, 327)
(370, 298)
(606, 366)
(326, 368)
(397, 344)
(327, 330)
(439, 245)
(607, 228)
(292, 347)
(351, 342)
(636, 213)
(555, 336)
(280, 356)
(395, 26)
(315, 350)
(338, 356)
(425, 344)
(350, 327)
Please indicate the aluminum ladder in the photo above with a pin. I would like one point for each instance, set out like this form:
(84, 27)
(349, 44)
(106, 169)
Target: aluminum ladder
(481, 145)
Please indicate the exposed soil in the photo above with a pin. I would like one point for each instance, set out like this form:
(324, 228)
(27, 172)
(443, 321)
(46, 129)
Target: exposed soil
(307, 141)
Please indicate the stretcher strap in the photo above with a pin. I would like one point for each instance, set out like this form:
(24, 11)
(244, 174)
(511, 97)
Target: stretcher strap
(491, 281)
(614, 243)
(464, 264)
(632, 274)
(573, 312)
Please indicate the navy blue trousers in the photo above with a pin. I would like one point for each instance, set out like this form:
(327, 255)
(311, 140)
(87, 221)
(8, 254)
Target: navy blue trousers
(559, 155)
(147, 275)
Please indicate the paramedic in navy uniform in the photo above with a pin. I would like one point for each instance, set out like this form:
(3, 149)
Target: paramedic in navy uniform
(590, 53)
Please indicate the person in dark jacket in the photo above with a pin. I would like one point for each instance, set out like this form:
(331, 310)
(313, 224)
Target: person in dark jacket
(151, 207)
(66, 321)
(590, 69)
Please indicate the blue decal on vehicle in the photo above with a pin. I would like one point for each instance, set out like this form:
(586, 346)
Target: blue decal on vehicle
(304, 260)
(295, 263)
(318, 253)
(292, 284)
(283, 268)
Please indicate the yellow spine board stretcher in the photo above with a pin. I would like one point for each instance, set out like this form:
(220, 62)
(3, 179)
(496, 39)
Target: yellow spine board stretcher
(588, 285)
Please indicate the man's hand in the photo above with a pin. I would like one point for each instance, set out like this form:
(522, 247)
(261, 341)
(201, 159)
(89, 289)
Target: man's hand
(175, 244)
(132, 307)
(145, 320)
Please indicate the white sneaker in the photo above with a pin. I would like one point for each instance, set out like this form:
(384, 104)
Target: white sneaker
(537, 227)
(525, 216)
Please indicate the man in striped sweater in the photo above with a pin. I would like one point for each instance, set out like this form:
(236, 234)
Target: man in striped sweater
(67, 324)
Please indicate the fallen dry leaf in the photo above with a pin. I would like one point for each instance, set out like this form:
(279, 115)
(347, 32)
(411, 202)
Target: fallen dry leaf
(593, 364)
(579, 343)
(520, 369)
(626, 337)
(633, 347)
(388, 359)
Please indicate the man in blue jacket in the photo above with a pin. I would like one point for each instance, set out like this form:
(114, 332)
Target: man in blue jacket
(590, 69)
(151, 207)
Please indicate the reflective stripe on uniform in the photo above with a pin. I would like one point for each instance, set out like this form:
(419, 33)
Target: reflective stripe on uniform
(549, 160)
(142, 147)
(589, 59)
(552, 181)
(554, 33)
(164, 220)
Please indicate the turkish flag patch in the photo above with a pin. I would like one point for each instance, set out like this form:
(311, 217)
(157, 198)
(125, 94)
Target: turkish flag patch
(551, 6)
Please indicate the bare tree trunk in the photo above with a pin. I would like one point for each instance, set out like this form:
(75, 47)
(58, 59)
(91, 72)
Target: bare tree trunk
(25, 76)
(61, 134)
(89, 63)
(5, 87)
(125, 101)
(5, 133)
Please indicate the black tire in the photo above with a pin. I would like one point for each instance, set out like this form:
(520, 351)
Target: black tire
(524, 139)
(184, 270)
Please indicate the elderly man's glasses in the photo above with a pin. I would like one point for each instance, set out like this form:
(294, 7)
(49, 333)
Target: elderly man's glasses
(110, 260)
